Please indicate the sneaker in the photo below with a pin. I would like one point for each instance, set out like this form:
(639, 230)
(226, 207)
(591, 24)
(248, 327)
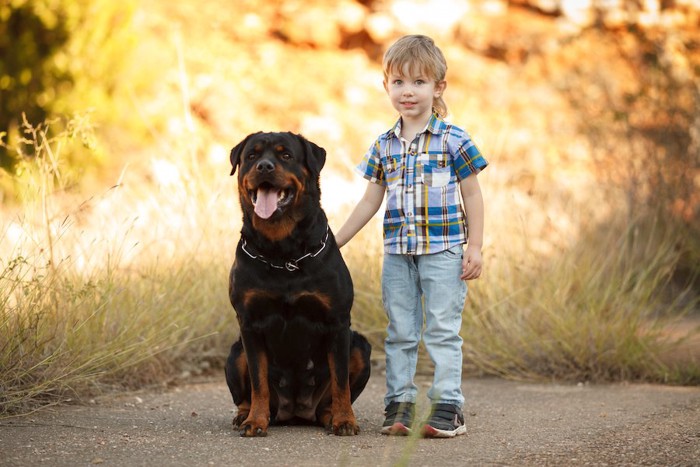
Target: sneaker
(445, 421)
(398, 418)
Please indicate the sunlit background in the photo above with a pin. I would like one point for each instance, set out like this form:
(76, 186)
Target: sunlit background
(119, 219)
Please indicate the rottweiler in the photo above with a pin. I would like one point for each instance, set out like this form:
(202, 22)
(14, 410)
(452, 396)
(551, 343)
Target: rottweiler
(297, 360)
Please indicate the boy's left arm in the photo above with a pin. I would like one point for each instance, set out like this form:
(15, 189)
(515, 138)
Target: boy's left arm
(474, 207)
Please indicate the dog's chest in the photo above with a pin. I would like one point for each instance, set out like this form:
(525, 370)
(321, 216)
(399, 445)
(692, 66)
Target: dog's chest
(262, 306)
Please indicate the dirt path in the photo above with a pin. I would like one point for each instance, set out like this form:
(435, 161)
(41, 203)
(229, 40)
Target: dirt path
(509, 423)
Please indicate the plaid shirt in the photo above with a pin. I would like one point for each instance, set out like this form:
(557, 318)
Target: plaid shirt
(423, 210)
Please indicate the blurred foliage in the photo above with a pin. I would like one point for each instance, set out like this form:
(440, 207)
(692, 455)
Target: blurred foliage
(646, 131)
(58, 57)
(29, 39)
(640, 110)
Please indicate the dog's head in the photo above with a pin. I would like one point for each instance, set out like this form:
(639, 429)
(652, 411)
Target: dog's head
(278, 175)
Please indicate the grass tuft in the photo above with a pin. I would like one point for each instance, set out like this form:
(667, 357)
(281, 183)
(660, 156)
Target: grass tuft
(99, 296)
(597, 312)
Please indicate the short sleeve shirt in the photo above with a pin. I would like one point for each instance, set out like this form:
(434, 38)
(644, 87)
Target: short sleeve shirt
(424, 214)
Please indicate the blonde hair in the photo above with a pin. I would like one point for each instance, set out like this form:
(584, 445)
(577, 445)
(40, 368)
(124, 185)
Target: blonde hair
(421, 55)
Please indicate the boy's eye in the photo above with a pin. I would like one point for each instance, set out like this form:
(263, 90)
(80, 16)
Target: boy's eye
(398, 81)
(420, 82)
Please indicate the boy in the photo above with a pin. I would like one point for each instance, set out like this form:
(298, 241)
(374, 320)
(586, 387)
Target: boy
(423, 164)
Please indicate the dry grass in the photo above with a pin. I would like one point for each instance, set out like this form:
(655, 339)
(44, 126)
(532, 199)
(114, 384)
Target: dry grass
(594, 313)
(123, 289)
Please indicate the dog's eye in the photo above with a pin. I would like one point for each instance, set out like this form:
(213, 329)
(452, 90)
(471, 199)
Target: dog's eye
(251, 156)
(285, 156)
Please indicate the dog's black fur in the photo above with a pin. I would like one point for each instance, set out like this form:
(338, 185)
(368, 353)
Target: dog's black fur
(297, 360)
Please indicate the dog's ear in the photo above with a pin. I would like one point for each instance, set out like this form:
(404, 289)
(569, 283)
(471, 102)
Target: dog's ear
(315, 155)
(236, 153)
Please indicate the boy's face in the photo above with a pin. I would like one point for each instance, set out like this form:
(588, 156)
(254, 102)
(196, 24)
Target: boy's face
(412, 92)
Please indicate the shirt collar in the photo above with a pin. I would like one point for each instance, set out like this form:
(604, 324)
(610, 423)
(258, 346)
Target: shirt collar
(435, 126)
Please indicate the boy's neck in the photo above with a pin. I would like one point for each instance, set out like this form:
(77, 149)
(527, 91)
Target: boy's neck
(412, 127)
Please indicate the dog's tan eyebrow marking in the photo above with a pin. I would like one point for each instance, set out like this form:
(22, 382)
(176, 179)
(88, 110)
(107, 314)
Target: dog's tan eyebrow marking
(280, 148)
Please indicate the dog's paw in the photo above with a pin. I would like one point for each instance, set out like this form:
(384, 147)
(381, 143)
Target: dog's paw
(238, 420)
(252, 431)
(347, 428)
(253, 427)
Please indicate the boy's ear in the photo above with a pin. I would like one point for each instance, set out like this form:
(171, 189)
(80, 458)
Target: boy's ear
(440, 87)
(386, 86)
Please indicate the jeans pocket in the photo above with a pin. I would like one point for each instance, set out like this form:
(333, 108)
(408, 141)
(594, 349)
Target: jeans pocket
(455, 253)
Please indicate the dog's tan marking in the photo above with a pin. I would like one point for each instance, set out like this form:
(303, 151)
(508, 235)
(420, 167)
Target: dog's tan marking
(343, 418)
(356, 364)
(244, 407)
(322, 299)
(275, 231)
(242, 364)
(253, 294)
(259, 416)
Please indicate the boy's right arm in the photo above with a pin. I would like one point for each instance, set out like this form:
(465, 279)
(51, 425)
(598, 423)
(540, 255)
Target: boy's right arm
(363, 212)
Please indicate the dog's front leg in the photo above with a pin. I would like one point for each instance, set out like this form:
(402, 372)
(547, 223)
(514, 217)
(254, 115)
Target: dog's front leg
(259, 416)
(342, 421)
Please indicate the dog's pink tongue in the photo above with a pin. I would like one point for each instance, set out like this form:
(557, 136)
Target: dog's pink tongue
(266, 204)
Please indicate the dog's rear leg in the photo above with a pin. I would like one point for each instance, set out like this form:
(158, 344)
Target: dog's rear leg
(360, 367)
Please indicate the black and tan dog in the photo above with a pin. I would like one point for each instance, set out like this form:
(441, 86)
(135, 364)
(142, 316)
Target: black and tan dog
(297, 360)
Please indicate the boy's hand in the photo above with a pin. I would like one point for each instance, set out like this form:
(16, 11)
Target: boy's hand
(471, 263)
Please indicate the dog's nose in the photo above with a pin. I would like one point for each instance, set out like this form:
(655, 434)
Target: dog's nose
(265, 166)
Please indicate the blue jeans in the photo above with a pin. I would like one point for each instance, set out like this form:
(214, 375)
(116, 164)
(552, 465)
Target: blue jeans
(412, 285)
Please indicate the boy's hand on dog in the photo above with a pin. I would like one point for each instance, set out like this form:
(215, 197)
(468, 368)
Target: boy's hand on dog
(471, 263)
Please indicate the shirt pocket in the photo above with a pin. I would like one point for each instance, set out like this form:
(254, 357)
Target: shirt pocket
(393, 178)
(392, 166)
(435, 170)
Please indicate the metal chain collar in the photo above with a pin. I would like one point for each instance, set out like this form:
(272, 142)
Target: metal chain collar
(292, 265)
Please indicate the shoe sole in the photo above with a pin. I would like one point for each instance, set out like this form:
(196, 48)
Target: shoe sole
(432, 432)
(397, 429)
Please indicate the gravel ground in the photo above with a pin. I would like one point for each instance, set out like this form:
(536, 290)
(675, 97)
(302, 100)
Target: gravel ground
(509, 423)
